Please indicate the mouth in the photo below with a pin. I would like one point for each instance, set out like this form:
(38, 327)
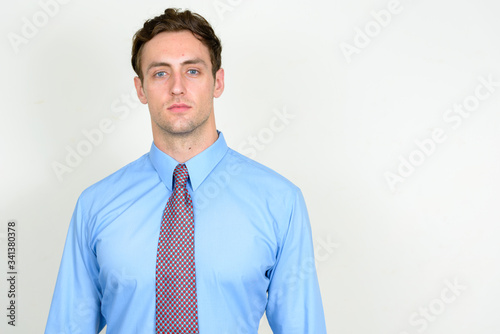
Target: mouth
(178, 107)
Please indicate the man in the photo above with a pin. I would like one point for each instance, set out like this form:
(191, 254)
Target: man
(192, 237)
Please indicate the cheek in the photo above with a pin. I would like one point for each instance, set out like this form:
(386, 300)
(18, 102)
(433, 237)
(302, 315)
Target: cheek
(155, 95)
(207, 92)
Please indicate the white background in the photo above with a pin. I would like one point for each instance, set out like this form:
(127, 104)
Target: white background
(385, 255)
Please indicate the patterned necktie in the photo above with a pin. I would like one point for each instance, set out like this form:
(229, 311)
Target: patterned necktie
(176, 304)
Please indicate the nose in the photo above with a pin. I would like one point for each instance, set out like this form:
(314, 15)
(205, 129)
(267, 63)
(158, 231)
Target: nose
(177, 87)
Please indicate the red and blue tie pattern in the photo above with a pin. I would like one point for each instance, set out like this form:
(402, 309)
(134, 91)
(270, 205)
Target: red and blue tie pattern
(176, 302)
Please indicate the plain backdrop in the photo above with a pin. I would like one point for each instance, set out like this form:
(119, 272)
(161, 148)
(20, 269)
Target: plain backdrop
(392, 133)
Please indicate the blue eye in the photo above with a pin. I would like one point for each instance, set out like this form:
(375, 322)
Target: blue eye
(160, 74)
(193, 72)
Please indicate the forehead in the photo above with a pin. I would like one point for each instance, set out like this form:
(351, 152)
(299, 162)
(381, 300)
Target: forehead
(174, 47)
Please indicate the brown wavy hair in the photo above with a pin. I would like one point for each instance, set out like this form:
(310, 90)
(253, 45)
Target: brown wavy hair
(173, 20)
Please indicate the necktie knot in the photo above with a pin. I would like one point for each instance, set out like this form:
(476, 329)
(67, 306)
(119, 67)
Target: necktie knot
(181, 175)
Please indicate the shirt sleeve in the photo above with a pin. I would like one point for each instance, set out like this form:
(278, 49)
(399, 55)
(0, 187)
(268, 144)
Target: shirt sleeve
(76, 302)
(294, 301)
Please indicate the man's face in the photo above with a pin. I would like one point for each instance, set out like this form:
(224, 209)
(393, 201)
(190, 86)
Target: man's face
(178, 84)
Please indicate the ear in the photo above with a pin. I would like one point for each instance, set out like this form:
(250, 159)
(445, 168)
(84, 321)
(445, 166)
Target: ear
(140, 90)
(219, 82)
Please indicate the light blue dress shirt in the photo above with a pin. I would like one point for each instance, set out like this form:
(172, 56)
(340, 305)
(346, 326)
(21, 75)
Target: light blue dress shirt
(253, 249)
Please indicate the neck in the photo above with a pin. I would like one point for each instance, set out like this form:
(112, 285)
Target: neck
(184, 146)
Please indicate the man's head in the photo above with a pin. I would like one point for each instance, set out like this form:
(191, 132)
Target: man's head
(177, 59)
(174, 20)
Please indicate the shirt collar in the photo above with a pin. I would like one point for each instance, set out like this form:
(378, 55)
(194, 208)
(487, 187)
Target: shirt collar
(198, 166)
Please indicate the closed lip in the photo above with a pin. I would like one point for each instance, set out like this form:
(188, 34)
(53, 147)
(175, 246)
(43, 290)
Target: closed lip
(178, 106)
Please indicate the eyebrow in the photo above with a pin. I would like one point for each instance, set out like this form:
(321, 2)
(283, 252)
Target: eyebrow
(193, 61)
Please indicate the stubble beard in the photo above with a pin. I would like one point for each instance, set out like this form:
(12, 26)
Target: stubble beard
(183, 128)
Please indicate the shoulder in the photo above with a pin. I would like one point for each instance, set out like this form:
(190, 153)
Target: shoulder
(258, 176)
(125, 179)
(270, 196)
